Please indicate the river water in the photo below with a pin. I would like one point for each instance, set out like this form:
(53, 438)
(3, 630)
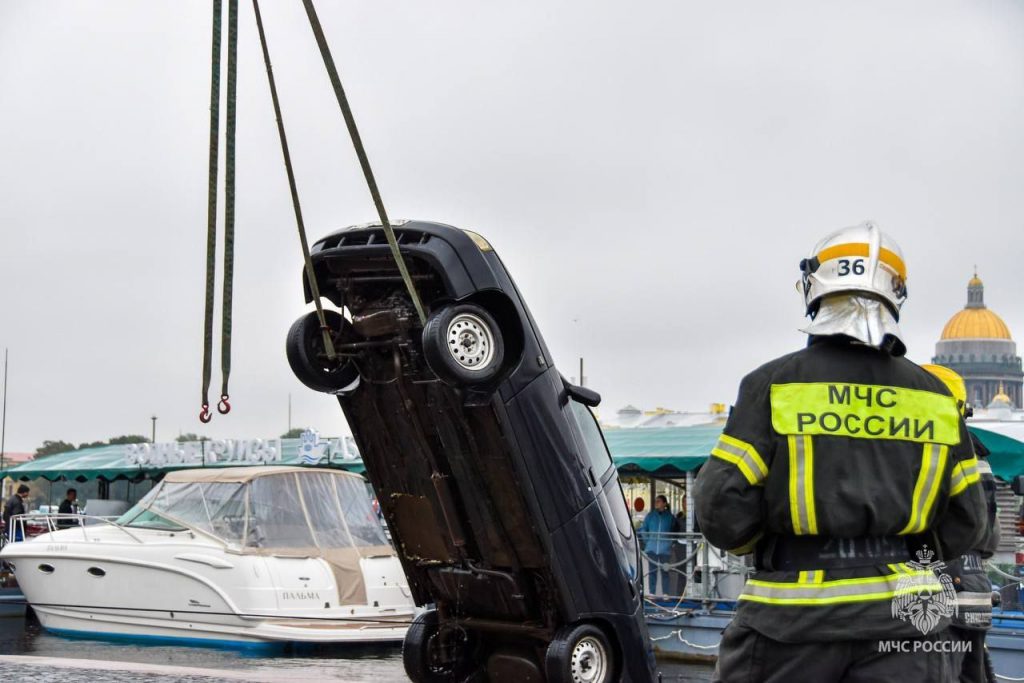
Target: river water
(41, 656)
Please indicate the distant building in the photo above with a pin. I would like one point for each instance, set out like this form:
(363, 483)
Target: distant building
(976, 343)
(631, 416)
(12, 459)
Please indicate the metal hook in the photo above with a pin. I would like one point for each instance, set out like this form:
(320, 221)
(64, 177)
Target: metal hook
(224, 407)
(205, 415)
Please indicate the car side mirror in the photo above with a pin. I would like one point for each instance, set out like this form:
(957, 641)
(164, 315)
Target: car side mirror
(587, 397)
(1017, 485)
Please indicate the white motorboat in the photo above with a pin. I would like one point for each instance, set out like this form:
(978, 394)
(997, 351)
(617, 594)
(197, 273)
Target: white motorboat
(241, 554)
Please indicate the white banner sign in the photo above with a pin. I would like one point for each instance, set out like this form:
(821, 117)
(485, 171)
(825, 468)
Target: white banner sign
(199, 453)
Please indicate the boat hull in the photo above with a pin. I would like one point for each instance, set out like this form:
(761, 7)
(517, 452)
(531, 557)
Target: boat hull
(181, 629)
(183, 591)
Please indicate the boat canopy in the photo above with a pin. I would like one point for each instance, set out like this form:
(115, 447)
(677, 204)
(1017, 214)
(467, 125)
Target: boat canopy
(265, 509)
(276, 511)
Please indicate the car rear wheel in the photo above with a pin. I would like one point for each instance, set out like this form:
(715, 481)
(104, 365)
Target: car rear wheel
(580, 654)
(431, 654)
(308, 357)
(463, 345)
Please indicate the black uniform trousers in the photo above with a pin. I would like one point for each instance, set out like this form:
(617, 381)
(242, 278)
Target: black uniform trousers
(750, 657)
(969, 660)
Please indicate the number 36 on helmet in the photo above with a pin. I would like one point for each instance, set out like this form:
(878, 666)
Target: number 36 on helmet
(855, 260)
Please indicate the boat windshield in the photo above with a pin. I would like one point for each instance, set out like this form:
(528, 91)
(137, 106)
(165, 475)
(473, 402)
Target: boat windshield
(313, 509)
(147, 519)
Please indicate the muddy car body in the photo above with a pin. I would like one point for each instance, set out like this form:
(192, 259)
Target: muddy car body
(490, 469)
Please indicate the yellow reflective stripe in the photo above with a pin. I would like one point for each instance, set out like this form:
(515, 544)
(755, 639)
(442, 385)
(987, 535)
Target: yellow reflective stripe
(812, 515)
(794, 490)
(933, 464)
(964, 474)
(983, 466)
(806, 592)
(814, 576)
(748, 547)
(865, 411)
(742, 455)
(929, 502)
(886, 256)
(801, 485)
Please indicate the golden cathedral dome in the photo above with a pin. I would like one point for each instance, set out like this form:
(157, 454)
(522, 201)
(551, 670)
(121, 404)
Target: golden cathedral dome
(976, 321)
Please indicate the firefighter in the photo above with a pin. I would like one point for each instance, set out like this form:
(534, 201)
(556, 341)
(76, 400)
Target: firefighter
(974, 590)
(848, 471)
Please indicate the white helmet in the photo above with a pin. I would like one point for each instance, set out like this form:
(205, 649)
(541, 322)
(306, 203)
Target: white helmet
(857, 259)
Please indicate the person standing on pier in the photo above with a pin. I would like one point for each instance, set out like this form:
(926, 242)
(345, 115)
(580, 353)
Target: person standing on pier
(848, 471)
(654, 531)
(15, 505)
(68, 506)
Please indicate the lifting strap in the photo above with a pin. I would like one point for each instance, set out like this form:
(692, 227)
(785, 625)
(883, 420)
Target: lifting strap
(229, 208)
(364, 162)
(211, 210)
(314, 288)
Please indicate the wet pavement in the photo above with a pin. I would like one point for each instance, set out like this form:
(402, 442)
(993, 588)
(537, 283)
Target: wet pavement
(29, 653)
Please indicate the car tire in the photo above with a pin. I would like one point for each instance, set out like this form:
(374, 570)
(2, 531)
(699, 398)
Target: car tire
(425, 660)
(580, 653)
(463, 345)
(307, 357)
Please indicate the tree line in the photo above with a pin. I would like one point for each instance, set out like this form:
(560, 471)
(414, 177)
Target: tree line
(54, 447)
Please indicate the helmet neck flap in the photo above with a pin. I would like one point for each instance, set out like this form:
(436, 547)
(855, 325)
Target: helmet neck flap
(863, 318)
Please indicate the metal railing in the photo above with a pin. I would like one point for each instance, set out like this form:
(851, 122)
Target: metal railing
(20, 526)
(682, 566)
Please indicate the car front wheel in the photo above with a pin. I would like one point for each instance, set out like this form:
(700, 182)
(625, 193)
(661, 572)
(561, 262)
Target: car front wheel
(308, 357)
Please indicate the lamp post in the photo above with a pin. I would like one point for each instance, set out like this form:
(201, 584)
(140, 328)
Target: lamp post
(153, 438)
(3, 420)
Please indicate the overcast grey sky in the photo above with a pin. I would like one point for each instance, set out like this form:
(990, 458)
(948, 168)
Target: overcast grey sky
(651, 172)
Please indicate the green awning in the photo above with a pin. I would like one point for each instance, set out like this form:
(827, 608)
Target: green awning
(664, 451)
(676, 450)
(132, 461)
(668, 451)
(1007, 456)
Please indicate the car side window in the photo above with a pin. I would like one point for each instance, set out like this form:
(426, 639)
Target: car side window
(593, 441)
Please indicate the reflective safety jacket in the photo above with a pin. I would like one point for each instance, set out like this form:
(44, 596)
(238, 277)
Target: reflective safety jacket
(973, 587)
(843, 443)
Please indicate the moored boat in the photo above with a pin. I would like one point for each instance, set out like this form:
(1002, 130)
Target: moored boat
(232, 555)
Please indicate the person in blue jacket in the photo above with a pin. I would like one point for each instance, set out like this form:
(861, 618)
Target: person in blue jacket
(658, 546)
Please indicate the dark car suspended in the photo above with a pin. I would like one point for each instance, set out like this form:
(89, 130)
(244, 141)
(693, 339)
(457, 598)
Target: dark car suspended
(489, 466)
